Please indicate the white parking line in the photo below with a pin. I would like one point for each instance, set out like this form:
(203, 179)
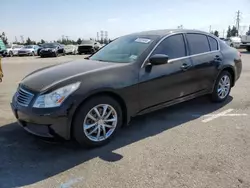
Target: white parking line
(225, 113)
(216, 115)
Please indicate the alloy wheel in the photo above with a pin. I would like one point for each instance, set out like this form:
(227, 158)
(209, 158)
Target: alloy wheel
(100, 122)
(223, 86)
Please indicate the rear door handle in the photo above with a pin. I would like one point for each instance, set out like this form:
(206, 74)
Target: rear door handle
(185, 66)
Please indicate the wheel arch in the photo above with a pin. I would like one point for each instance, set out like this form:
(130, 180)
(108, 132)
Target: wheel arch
(231, 70)
(109, 93)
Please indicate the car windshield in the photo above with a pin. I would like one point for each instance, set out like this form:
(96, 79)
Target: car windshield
(28, 47)
(49, 45)
(15, 47)
(87, 42)
(123, 50)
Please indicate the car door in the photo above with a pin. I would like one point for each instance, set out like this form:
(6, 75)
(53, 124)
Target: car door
(166, 82)
(206, 57)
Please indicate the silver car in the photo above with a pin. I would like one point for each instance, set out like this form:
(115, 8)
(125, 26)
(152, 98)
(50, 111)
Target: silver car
(70, 49)
(13, 49)
(30, 50)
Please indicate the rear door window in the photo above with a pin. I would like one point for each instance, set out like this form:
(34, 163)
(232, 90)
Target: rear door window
(213, 43)
(173, 46)
(198, 43)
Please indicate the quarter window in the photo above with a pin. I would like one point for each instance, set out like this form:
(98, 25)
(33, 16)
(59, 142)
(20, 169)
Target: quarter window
(213, 44)
(198, 43)
(172, 46)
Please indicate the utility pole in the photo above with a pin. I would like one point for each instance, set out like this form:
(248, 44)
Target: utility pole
(15, 39)
(106, 35)
(21, 36)
(210, 29)
(97, 36)
(223, 33)
(102, 37)
(238, 22)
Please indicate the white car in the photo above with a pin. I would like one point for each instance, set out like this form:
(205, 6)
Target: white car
(70, 49)
(235, 42)
(13, 49)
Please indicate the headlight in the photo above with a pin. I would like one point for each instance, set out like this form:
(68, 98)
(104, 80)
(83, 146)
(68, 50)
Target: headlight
(55, 98)
(53, 50)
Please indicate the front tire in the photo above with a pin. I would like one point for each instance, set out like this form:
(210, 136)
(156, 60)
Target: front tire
(222, 87)
(97, 121)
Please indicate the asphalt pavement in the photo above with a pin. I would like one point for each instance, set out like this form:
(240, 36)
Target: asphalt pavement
(196, 144)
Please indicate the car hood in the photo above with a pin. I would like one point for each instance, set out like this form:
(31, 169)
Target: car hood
(45, 78)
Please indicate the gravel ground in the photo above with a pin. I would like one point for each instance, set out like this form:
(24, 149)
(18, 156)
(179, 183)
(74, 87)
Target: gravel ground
(181, 146)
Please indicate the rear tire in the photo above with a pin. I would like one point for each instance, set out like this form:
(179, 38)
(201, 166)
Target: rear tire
(222, 87)
(101, 127)
(11, 54)
(56, 54)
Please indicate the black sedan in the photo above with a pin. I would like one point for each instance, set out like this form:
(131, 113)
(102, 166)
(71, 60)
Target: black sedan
(51, 50)
(89, 100)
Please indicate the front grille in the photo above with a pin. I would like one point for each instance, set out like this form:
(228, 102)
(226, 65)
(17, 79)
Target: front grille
(85, 48)
(23, 97)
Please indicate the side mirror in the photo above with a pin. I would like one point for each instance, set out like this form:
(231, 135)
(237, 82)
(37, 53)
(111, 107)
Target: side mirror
(158, 59)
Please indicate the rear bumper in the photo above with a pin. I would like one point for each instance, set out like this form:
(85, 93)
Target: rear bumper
(49, 126)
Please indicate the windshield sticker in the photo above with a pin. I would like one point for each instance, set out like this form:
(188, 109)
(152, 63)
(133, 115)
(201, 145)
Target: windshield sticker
(143, 40)
(133, 57)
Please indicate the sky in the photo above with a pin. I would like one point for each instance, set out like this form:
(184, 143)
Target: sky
(50, 19)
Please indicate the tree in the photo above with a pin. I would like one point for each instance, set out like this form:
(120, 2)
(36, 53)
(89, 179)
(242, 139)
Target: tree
(234, 32)
(4, 38)
(229, 32)
(42, 41)
(28, 41)
(79, 41)
(248, 32)
(216, 33)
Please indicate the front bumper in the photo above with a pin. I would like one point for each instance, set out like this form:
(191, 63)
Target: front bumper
(24, 53)
(3, 52)
(51, 125)
(47, 53)
(85, 49)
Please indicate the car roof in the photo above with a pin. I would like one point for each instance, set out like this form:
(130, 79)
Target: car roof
(165, 32)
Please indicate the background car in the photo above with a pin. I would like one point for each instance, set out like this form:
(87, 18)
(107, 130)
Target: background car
(51, 50)
(235, 42)
(88, 47)
(13, 49)
(245, 39)
(30, 50)
(70, 49)
(226, 41)
(1, 70)
(3, 50)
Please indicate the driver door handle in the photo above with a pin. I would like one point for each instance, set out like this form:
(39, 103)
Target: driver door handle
(185, 66)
